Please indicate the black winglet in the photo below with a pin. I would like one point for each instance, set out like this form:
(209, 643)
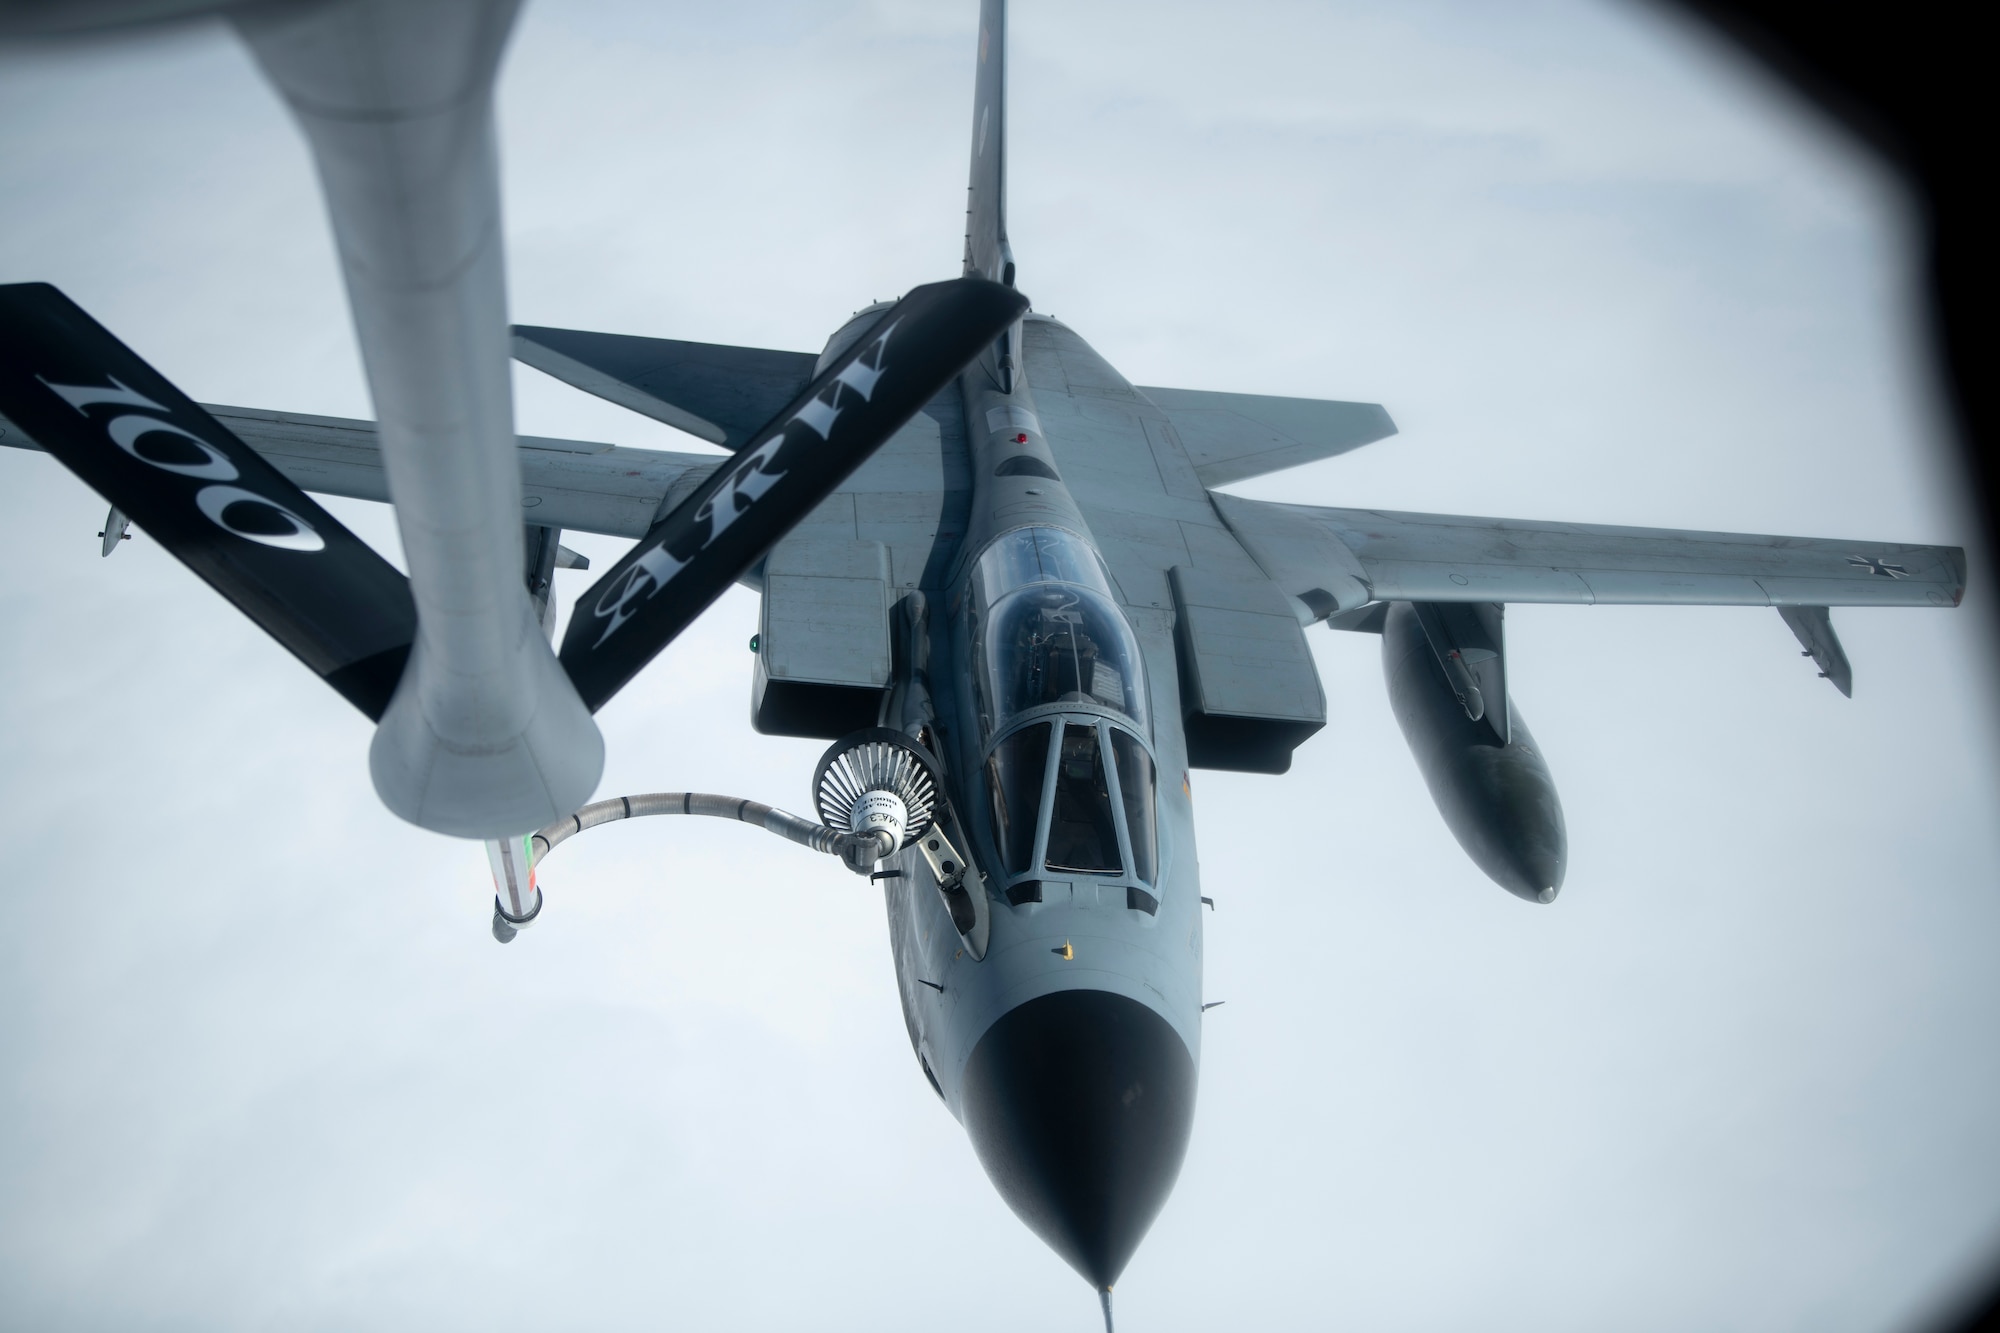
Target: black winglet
(206, 496)
(781, 474)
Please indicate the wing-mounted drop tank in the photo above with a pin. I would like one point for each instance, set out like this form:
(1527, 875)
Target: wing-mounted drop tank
(1445, 665)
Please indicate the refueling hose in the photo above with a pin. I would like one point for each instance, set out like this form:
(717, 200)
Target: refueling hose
(862, 849)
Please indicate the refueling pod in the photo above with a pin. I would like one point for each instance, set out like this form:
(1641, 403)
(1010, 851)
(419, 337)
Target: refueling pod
(1445, 667)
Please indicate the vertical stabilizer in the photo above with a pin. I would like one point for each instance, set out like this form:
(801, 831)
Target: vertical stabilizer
(986, 252)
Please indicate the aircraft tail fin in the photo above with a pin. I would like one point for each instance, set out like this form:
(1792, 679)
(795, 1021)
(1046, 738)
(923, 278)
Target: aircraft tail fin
(211, 500)
(986, 252)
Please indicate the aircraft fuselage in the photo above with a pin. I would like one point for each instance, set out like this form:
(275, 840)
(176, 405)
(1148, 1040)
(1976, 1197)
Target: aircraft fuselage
(1069, 1051)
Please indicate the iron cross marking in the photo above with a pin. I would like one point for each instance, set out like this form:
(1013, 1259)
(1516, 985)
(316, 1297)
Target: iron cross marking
(1876, 566)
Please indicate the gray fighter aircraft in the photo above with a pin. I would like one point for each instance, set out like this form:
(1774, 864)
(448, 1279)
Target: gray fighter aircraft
(1000, 578)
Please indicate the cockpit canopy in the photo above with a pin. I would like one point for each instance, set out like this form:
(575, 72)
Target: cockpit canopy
(1058, 807)
(1047, 633)
(1061, 696)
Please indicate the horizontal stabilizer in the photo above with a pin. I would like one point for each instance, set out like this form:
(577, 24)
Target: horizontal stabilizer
(781, 474)
(720, 394)
(206, 496)
(1231, 436)
(1814, 628)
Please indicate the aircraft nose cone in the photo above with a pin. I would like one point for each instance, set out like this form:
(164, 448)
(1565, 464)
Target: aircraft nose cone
(1079, 1105)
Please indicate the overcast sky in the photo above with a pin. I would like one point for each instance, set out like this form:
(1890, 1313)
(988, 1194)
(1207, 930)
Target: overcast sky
(262, 1065)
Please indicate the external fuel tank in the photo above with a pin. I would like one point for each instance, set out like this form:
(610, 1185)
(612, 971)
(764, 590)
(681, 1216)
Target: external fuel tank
(1497, 799)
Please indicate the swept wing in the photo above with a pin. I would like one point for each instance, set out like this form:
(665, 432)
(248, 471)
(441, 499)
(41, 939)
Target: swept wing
(572, 484)
(1360, 555)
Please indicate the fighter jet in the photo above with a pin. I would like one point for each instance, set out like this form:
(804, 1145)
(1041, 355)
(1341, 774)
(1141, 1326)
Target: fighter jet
(1003, 582)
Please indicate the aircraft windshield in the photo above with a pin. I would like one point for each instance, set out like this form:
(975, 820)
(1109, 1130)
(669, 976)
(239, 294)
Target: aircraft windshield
(1135, 784)
(1015, 772)
(1072, 793)
(1082, 834)
(1047, 632)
